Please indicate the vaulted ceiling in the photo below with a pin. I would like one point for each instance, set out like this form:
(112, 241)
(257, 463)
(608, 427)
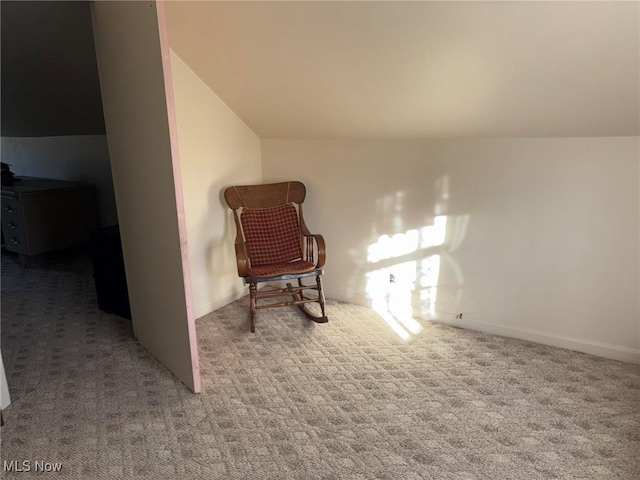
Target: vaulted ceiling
(417, 69)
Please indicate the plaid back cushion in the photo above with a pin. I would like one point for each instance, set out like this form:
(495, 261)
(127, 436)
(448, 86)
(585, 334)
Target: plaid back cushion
(272, 235)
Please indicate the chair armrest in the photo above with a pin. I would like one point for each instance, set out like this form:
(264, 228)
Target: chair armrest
(241, 259)
(320, 247)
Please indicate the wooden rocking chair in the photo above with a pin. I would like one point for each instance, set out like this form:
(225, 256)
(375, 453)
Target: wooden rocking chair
(273, 244)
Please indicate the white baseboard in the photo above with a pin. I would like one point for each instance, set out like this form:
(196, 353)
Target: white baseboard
(599, 349)
(205, 309)
(580, 345)
(347, 297)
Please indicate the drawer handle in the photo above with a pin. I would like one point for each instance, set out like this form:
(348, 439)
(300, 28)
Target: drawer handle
(12, 225)
(15, 241)
(8, 208)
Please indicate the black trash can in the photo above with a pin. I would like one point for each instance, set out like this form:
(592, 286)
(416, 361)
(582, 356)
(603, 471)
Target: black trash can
(108, 271)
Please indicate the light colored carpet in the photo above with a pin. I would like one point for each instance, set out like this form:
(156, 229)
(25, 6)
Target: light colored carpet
(296, 400)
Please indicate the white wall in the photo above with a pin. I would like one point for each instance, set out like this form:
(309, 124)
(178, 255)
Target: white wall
(82, 158)
(541, 238)
(5, 396)
(217, 149)
(135, 79)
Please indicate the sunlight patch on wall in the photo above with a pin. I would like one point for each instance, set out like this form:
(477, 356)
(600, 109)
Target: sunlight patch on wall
(430, 269)
(402, 284)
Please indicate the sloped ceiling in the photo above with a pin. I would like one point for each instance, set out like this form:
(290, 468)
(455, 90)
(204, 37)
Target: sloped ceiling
(417, 69)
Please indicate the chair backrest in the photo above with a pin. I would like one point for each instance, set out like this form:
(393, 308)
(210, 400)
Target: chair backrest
(265, 196)
(267, 220)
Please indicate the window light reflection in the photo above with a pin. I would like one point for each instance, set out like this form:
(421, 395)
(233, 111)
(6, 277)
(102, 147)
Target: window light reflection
(401, 291)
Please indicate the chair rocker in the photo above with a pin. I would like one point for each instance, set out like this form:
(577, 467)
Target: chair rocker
(273, 244)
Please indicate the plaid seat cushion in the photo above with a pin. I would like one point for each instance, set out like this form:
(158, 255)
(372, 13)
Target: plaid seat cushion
(272, 235)
(274, 270)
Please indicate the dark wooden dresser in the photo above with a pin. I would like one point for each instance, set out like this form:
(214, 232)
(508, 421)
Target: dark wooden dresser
(41, 215)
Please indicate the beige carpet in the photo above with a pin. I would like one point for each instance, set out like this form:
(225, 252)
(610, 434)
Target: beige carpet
(296, 400)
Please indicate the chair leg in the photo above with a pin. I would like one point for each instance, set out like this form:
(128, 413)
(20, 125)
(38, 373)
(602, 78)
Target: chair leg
(302, 297)
(252, 305)
(321, 295)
